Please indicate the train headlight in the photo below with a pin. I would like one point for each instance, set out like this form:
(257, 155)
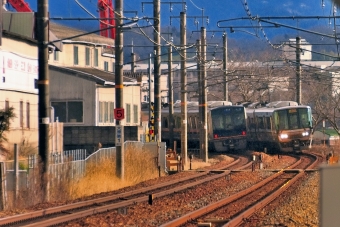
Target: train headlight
(284, 136)
(305, 134)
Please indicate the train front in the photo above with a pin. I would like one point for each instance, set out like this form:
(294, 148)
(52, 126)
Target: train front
(228, 128)
(293, 126)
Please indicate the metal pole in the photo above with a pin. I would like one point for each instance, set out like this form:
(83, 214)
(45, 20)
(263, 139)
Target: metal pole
(133, 59)
(204, 144)
(119, 85)
(298, 70)
(16, 172)
(225, 61)
(44, 91)
(200, 95)
(157, 64)
(171, 99)
(184, 115)
(151, 104)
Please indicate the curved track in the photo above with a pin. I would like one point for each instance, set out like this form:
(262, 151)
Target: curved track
(233, 210)
(66, 213)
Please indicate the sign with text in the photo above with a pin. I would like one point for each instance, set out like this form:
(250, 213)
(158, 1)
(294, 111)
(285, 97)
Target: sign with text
(119, 113)
(119, 135)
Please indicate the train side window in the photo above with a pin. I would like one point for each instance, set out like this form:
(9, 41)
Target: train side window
(194, 125)
(268, 123)
(189, 123)
(261, 123)
(178, 122)
(165, 122)
(251, 123)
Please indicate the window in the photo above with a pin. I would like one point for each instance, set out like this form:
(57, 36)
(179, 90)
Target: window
(70, 111)
(100, 112)
(268, 122)
(113, 67)
(87, 55)
(21, 113)
(260, 121)
(6, 105)
(106, 112)
(193, 122)
(128, 113)
(75, 55)
(178, 122)
(56, 55)
(28, 115)
(111, 110)
(106, 66)
(165, 122)
(95, 62)
(135, 113)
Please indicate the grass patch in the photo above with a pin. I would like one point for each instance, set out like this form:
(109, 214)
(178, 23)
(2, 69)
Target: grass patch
(139, 165)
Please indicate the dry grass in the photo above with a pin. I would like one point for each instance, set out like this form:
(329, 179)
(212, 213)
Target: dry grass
(139, 165)
(324, 150)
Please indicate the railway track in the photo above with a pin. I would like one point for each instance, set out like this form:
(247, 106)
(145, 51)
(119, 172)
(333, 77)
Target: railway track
(238, 208)
(66, 213)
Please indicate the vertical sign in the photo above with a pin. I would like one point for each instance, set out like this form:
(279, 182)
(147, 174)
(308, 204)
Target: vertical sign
(119, 135)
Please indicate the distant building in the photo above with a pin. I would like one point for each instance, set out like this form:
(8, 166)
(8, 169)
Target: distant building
(289, 50)
(18, 89)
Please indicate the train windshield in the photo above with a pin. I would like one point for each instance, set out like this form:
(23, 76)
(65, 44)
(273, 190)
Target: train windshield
(295, 118)
(228, 121)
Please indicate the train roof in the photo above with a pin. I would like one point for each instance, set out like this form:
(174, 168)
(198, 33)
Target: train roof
(274, 106)
(193, 107)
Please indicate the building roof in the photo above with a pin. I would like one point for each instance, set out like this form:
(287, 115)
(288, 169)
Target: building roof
(66, 33)
(99, 76)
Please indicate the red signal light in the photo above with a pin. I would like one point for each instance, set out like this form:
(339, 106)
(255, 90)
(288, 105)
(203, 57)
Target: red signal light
(243, 133)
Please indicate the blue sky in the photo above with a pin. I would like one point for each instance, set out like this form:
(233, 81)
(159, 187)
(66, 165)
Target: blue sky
(215, 10)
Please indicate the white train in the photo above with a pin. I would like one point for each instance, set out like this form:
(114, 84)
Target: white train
(282, 126)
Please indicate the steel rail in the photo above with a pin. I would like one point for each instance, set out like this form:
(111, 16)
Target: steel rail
(211, 207)
(68, 207)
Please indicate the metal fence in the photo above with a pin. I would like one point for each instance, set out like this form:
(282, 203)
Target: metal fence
(71, 164)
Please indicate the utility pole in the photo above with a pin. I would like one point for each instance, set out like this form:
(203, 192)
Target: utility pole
(225, 62)
(133, 60)
(204, 132)
(298, 70)
(157, 66)
(171, 99)
(44, 92)
(151, 103)
(119, 89)
(184, 114)
(199, 76)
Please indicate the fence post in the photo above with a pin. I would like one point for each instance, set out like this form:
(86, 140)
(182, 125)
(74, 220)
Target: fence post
(16, 172)
(3, 185)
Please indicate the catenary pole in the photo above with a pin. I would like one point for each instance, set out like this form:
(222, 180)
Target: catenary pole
(157, 65)
(171, 99)
(204, 143)
(184, 114)
(298, 70)
(44, 91)
(119, 87)
(225, 62)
